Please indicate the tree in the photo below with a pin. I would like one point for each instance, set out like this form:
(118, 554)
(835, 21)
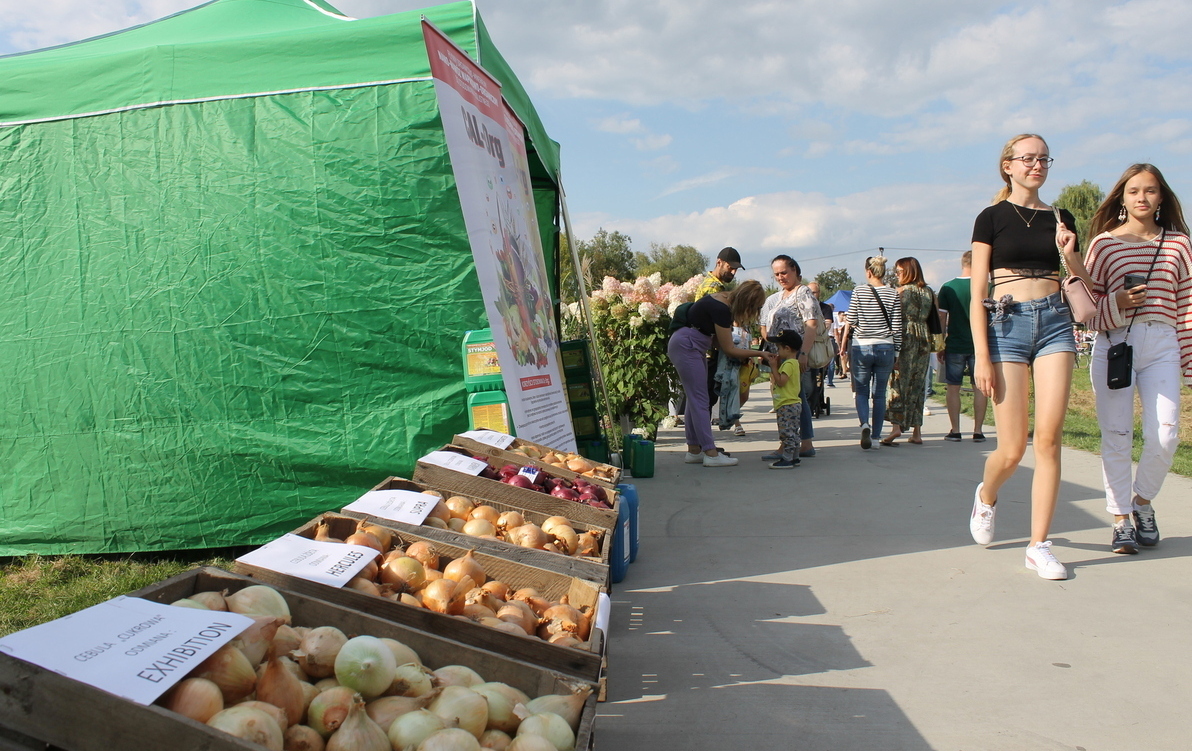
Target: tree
(611, 255)
(1082, 200)
(832, 280)
(676, 263)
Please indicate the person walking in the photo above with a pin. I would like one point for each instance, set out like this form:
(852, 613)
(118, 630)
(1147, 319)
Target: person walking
(875, 320)
(710, 317)
(909, 384)
(1027, 330)
(793, 307)
(1140, 260)
(957, 358)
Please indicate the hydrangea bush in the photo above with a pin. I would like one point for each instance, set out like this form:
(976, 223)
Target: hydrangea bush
(632, 324)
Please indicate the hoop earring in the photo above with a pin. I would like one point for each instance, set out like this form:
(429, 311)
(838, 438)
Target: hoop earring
(1122, 214)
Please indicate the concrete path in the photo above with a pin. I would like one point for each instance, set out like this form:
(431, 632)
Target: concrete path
(843, 606)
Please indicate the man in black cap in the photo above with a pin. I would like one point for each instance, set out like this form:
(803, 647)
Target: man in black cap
(728, 261)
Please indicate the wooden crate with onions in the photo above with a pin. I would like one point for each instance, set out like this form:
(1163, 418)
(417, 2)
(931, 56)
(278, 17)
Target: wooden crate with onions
(528, 453)
(580, 658)
(41, 705)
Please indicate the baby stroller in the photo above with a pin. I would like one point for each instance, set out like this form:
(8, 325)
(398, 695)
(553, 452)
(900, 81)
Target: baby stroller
(817, 401)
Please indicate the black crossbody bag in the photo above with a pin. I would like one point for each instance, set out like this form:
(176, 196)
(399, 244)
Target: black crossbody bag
(1119, 360)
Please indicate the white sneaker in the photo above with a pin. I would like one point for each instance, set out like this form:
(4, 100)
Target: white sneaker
(1039, 558)
(720, 460)
(875, 445)
(693, 459)
(981, 521)
(866, 436)
(927, 411)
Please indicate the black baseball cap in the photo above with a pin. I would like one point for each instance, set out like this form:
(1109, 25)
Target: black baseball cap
(789, 337)
(731, 257)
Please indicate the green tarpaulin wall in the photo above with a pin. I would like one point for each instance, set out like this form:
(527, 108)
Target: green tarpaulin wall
(235, 272)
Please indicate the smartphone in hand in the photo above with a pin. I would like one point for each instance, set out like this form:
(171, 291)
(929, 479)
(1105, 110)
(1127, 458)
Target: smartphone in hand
(1134, 280)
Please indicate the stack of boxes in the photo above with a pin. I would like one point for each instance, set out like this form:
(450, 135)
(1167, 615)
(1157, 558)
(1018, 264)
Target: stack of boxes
(488, 405)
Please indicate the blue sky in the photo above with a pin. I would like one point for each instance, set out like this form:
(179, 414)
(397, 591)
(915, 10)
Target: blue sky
(822, 130)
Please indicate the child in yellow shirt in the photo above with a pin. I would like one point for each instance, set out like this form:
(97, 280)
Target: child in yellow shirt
(785, 378)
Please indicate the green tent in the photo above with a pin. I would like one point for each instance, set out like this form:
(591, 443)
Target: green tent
(236, 272)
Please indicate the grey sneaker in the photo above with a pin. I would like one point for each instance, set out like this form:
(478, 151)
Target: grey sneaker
(1124, 541)
(1144, 522)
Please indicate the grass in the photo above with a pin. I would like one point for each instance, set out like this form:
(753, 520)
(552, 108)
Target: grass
(1081, 430)
(36, 589)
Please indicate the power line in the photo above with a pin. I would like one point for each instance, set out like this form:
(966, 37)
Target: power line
(883, 248)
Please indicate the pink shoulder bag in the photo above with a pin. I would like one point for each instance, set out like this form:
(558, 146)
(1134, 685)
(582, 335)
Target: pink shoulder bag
(1076, 293)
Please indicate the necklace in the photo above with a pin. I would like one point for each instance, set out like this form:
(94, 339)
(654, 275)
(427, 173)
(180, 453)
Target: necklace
(1023, 218)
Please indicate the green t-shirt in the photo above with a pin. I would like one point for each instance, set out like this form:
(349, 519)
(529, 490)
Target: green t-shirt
(789, 392)
(954, 297)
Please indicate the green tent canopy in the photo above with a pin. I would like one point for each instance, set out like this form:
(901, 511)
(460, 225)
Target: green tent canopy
(236, 271)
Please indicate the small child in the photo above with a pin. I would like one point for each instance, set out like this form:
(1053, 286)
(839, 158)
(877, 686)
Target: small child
(785, 378)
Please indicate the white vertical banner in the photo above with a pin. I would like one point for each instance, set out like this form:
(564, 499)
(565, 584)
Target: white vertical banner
(488, 157)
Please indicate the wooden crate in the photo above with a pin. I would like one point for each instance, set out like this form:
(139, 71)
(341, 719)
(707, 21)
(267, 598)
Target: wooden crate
(513, 457)
(74, 716)
(581, 568)
(521, 499)
(580, 663)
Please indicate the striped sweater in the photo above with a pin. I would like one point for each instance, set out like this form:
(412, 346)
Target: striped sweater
(1168, 291)
(866, 317)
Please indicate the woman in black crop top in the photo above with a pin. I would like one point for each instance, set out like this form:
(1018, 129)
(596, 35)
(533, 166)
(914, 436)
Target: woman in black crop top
(1025, 328)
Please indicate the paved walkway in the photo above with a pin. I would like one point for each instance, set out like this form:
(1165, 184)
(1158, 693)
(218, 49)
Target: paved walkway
(843, 606)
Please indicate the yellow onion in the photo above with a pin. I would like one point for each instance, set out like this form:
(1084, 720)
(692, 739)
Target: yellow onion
(309, 692)
(565, 537)
(385, 710)
(569, 706)
(479, 528)
(302, 738)
(435, 493)
(488, 513)
(196, 698)
(435, 522)
(249, 724)
(462, 707)
(465, 567)
(530, 597)
(450, 739)
(500, 625)
(326, 683)
(210, 600)
(566, 640)
(474, 611)
(401, 653)
(329, 709)
(409, 599)
(229, 669)
(551, 727)
(424, 553)
(404, 571)
(554, 521)
(439, 510)
(361, 584)
(255, 640)
(383, 535)
(273, 711)
(285, 641)
(552, 627)
(279, 687)
(510, 520)
(316, 655)
(457, 675)
(520, 614)
(358, 732)
(323, 533)
(456, 525)
(412, 728)
(528, 536)
(588, 544)
(365, 665)
(501, 705)
(585, 623)
(563, 610)
(438, 594)
(258, 600)
(460, 507)
(370, 570)
(411, 679)
(497, 740)
(367, 539)
(497, 589)
(186, 602)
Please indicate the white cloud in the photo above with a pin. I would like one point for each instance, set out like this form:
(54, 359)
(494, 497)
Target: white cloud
(652, 142)
(620, 125)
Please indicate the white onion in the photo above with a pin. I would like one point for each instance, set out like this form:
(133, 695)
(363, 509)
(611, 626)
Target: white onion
(365, 665)
(530, 743)
(569, 706)
(410, 679)
(500, 706)
(401, 653)
(412, 728)
(249, 724)
(551, 727)
(497, 740)
(451, 739)
(462, 707)
(457, 675)
(258, 600)
(196, 698)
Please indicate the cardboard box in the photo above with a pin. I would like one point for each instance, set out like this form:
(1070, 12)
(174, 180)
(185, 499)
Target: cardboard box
(53, 709)
(580, 663)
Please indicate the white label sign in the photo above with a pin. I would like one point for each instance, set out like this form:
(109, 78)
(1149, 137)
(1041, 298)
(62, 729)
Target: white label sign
(333, 563)
(396, 505)
(127, 646)
(604, 607)
(454, 461)
(490, 438)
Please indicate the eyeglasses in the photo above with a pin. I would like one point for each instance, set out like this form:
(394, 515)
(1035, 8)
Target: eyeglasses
(1029, 161)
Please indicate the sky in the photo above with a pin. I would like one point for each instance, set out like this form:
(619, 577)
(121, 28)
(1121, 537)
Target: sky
(819, 130)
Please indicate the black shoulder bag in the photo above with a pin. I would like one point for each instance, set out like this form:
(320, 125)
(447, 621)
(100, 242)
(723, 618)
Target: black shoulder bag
(882, 305)
(1119, 360)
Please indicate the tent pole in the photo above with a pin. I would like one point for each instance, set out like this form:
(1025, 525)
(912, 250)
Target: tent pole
(583, 302)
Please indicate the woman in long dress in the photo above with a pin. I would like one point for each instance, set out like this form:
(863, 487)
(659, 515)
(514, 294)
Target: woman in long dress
(908, 386)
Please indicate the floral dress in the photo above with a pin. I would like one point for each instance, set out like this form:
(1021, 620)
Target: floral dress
(910, 380)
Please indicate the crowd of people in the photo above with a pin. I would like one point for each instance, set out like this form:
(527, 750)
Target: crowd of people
(1012, 336)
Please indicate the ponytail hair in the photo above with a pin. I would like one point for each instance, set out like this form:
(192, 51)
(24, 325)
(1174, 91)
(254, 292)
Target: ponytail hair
(1007, 154)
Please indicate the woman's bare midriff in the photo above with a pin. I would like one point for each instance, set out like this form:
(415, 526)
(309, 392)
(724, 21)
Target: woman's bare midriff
(1024, 290)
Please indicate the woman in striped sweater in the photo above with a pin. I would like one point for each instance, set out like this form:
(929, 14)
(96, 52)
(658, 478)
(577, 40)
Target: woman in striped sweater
(875, 319)
(1139, 230)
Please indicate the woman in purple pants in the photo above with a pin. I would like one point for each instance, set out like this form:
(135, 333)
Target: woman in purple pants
(710, 317)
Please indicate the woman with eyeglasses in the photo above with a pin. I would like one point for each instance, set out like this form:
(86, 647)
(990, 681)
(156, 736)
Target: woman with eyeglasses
(1140, 260)
(1024, 327)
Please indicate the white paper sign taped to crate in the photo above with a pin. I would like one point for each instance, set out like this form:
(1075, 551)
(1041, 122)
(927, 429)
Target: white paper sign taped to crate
(407, 506)
(333, 563)
(454, 461)
(490, 438)
(127, 646)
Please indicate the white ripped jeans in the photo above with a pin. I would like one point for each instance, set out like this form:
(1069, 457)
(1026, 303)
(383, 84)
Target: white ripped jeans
(1157, 379)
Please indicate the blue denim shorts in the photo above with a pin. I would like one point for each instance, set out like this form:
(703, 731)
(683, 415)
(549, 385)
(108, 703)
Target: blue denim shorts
(956, 367)
(1023, 331)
